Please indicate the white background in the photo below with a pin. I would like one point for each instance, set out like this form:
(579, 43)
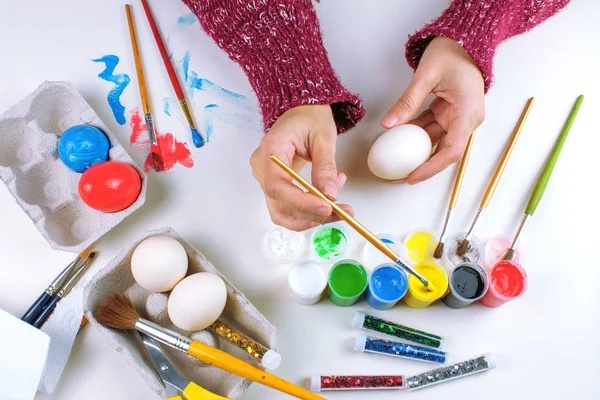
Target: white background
(545, 342)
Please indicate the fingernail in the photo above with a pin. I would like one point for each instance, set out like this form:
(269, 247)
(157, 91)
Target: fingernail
(389, 120)
(324, 211)
(341, 180)
(330, 190)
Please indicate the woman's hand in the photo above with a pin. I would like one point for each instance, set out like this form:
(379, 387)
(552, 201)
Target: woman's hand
(301, 134)
(447, 71)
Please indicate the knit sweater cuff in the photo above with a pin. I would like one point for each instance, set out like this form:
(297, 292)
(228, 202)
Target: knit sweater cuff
(279, 46)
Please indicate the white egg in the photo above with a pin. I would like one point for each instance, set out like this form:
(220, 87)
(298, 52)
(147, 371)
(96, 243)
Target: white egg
(158, 263)
(197, 301)
(399, 151)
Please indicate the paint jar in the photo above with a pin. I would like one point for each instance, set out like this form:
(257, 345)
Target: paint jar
(372, 323)
(283, 246)
(330, 242)
(418, 296)
(348, 280)
(398, 349)
(468, 283)
(320, 383)
(508, 281)
(372, 257)
(474, 254)
(496, 248)
(307, 281)
(419, 246)
(387, 284)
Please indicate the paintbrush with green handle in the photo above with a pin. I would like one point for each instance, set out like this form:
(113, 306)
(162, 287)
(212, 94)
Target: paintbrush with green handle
(540, 186)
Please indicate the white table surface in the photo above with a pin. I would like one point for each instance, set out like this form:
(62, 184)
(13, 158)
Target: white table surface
(545, 341)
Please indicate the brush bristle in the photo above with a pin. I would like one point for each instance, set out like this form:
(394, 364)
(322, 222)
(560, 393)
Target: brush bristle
(196, 137)
(463, 247)
(157, 161)
(439, 250)
(510, 253)
(117, 312)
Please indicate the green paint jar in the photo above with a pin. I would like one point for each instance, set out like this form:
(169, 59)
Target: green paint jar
(330, 242)
(347, 281)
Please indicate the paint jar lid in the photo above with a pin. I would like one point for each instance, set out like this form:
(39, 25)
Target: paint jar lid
(361, 343)
(315, 383)
(330, 242)
(451, 259)
(359, 319)
(283, 246)
(425, 252)
(271, 360)
(372, 257)
(496, 248)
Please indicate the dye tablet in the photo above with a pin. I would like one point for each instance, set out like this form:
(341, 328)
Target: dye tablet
(468, 283)
(348, 280)
(508, 281)
(418, 296)
(419, 246)
(330, 242)
(307, 282)
(387, 284)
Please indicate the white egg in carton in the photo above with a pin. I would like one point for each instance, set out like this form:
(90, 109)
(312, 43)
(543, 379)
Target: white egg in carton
(39, 181)
(239, 313)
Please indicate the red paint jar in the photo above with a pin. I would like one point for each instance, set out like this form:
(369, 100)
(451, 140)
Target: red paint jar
(508, 280)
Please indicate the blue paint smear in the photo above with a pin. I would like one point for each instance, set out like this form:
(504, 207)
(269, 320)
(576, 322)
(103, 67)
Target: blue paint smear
(187, 19)
(120, 80)
(167, 105)
(387, 241)
(229, 117)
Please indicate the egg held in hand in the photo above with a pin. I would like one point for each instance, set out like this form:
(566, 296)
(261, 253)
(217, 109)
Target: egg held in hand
(399, 151)
(158, 263)
(197, 301)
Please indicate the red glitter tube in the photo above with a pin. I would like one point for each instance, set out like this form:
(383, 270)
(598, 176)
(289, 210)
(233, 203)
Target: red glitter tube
(355, 382)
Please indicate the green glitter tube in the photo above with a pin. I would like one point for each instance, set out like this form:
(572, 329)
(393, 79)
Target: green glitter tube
(371, 323)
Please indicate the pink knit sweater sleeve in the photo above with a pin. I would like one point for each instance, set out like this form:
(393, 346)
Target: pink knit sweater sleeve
(278, 44)
(480, 26)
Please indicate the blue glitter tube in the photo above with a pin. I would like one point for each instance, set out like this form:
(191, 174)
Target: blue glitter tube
(397, 349)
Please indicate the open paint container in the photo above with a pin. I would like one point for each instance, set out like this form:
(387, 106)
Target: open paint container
(387, 284)
(372, 257)
(496, 248)
(418, 296)
(283, 246)
(330, 242)
(348, 280)
(508, 281)
(467, 284)
(419, 246)
(474, 254)
(307, 281)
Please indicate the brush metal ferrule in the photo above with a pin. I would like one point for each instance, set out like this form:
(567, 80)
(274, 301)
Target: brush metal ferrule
(61, 278)
(187, 113)
(163, 335)
(472, 228)
(524, 221)
(150, 128)
(445, 226)
(410, 269)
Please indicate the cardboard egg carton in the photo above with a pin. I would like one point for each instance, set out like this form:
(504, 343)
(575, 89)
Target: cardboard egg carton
(239, 312)
(39, 181)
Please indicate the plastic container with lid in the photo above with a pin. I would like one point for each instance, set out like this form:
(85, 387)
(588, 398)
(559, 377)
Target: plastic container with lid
(348, 279)
(418, 296)
(283, 246)
(307, 281)
(508, 280)
(474, 254)
(419, 246)
(467, 284)
(330, 242)
(387, 284)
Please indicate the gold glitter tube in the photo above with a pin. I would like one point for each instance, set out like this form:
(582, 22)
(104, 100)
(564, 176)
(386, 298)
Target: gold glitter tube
(270, 359)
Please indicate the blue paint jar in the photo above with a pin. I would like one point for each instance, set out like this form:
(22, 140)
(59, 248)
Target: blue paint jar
(82, 146)
(387, 284)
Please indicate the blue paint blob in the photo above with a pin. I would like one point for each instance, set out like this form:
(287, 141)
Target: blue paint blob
(187, 19)
(387, 241)
(196, 138)
(387, 285)
(167, 106)
(82, 146)
(120, 80)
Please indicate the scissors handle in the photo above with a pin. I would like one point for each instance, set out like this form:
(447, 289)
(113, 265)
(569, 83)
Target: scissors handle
(195, 392)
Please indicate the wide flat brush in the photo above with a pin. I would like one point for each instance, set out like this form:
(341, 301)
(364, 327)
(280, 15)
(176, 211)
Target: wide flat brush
(540, 186)
(439, 250)
(36, 308)
(118, 312)
(357, 226)
(196, 138)
(463, 247)
(157, 159)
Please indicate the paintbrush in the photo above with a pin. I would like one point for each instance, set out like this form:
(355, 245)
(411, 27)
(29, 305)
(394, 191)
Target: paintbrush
(63, 291)
(196, 138)
(157, 160)
(540, 186)
(463, 247)
(357, 226)
(439, 250)
(118, 312)
(36, 308)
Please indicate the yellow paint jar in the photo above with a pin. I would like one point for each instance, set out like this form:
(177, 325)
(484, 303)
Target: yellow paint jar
(418, 296)
(419, 246)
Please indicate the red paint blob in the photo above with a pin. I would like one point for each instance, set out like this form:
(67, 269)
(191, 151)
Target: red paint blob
(111, 186)
(507, 279)
(173, 151)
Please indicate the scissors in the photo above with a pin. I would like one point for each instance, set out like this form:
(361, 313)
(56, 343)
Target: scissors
(176, 385)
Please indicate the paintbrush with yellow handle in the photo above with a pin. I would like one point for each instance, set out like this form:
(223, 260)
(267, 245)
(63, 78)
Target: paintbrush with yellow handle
(463, 247)
(439, 250)
(357, 226)
(118, 312)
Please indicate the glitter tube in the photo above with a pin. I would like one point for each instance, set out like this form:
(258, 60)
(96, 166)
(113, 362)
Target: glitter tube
(397, 349)
(450, 372)
(371, 323)
(270, 359)
(355, 382)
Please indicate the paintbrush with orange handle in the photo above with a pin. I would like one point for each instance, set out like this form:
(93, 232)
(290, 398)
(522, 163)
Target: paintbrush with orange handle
(463, 247)
(118, 312)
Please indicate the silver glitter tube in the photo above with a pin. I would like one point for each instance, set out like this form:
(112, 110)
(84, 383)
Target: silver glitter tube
(444, 374)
